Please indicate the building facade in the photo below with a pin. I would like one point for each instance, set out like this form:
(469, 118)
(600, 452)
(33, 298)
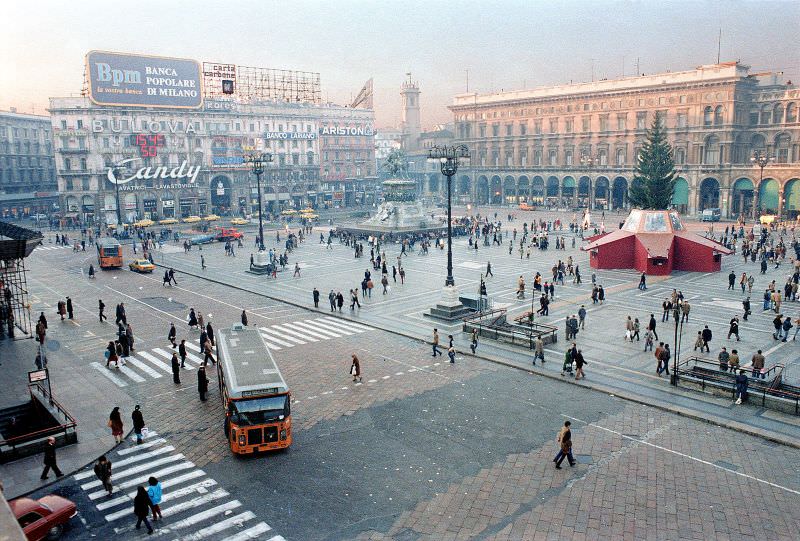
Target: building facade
(27, 170)
(576, 145)
(347, 145)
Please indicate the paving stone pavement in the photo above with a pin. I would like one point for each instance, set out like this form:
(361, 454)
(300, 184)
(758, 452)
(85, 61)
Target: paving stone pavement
(645, 474)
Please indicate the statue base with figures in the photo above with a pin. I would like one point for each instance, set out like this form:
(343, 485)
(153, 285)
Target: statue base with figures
(399, 214)
(450, 307)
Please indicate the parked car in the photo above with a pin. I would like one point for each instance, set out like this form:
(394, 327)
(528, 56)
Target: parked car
(168, 221)
(141, 265)
(44, 518)
(240, 221)
(711, 215)
(211, 218)
(191, 219)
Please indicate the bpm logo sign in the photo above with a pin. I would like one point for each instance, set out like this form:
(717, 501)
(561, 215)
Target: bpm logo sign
(143, 81)
(183, 171)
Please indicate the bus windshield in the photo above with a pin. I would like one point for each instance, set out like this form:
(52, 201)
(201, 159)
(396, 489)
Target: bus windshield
(255, 411)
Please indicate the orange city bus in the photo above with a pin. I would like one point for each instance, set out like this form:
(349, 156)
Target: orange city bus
(109, 253)
(256, 398)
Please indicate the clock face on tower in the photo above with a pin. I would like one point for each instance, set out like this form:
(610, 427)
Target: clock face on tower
(148, 143)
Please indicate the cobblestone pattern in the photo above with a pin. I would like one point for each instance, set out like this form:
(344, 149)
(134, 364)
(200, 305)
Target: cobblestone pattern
(622, 489)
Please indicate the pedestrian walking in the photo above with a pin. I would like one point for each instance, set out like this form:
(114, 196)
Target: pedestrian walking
(172, 279)
(176, 369)
(192, 319)
(61, 309)
(172, 334)
(91, 271)
(207, 353)
(50, 461)
(202, 382)
(111, 355)
(115, 424)
(579, 362)
(741, 387)
(651, 326)
(202, 261)
(566, 368)
(100, 309)
(564, 440)
(664, 358)
(786, 326)
(643, 282)
(182, 352)
(210, 334)
(69, 308)
(723, 359)
(141, 508)
(734, 328)
(435, 343)
(154, 492)
(473, 343)
(582, 317)
(757, 363)
(315, 296)
(355, 369)
(332, 300)
(648, 340)
(451, 350)
(244, 318)
(706, 338)
(102, 469)
(538, 350)
(138, 423)
(296, 270)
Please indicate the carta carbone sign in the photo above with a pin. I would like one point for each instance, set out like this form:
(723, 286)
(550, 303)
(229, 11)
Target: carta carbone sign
(143, 81)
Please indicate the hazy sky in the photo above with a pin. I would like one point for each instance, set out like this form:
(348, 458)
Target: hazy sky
(503, 44)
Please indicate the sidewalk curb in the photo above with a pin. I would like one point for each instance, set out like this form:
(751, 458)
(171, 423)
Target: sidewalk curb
(71, 473)
(678, 410)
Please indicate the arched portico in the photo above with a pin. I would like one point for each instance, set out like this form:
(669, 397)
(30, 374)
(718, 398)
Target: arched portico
(619, 193)
(742, 194)
(708, 195)
(602, 193)
(496, 188)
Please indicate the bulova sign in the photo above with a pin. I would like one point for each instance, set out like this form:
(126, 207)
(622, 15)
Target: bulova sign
(183, 171)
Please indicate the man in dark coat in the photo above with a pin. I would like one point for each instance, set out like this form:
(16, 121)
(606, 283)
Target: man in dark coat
(210, 333)
(244, 318)
(202, 382)
(138, 423)
(652, 326)
(69, 308)
(315, 294)
(176, 369)
(50, 459)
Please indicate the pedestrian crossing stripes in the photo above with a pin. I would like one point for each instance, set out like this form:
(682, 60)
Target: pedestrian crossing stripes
(193, 506)
(48, 248)
(141, 366)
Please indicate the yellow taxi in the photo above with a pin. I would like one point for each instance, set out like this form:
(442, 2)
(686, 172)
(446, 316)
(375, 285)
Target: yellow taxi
(168, 221)
(191, 219)
(240, 221)
(289, 212)
(143, 223)
(141, 265)
(767, 219)
(211, 218)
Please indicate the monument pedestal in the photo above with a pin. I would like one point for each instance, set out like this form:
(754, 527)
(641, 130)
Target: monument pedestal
(449, 308)
(261, 264)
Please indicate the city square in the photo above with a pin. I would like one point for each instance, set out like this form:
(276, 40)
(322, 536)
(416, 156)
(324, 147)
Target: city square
(238, 307)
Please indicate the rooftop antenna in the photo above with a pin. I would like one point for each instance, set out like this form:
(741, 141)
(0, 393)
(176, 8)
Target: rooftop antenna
(467, 80)
(592, 61)
(719, 43)
(623, 66)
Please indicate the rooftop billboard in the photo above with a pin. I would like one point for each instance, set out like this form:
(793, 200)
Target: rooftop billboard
(143, 81)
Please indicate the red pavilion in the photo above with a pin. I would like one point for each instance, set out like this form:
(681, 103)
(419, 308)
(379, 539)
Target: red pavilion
(655, 242)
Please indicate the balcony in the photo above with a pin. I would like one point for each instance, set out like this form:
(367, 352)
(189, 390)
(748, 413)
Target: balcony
(73, 150)
(76, 172)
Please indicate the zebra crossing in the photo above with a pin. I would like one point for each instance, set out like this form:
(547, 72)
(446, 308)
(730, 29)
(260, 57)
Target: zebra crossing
(142, 366)
(194, 506)
(57, 247)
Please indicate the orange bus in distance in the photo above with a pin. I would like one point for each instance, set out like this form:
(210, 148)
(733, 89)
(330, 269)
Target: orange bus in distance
(109, 253)
(257, 400)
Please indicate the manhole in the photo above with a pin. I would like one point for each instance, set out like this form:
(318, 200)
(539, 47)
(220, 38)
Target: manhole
(165, 303)
(583, 459)
(52, 344)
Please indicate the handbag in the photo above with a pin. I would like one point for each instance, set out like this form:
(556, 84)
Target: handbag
(109, 424)
(145, 431)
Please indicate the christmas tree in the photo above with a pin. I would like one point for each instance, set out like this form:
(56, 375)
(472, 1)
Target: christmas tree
(654, 180)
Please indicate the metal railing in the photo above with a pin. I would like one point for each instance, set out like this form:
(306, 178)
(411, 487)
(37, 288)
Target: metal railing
(64, 425)
(769, 387)
(512, 333)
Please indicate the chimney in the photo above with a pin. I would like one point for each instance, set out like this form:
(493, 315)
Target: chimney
(13, 109)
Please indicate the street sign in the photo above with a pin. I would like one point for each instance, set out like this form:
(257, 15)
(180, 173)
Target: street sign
(37, 375)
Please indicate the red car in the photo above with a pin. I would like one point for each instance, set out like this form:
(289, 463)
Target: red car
(44, 518)
(225, 234)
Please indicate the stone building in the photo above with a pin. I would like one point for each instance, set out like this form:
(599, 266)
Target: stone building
(27, 172)
(575, 145)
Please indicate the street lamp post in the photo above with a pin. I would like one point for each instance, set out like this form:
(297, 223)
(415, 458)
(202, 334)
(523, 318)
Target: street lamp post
(676, 350)
(258, 162)
(448, 158)
(760, 159)
(115, 167)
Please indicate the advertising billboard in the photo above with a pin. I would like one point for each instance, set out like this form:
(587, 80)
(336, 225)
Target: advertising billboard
(143, 81)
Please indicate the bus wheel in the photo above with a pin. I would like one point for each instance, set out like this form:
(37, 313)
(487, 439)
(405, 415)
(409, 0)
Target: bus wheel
(227, 428)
